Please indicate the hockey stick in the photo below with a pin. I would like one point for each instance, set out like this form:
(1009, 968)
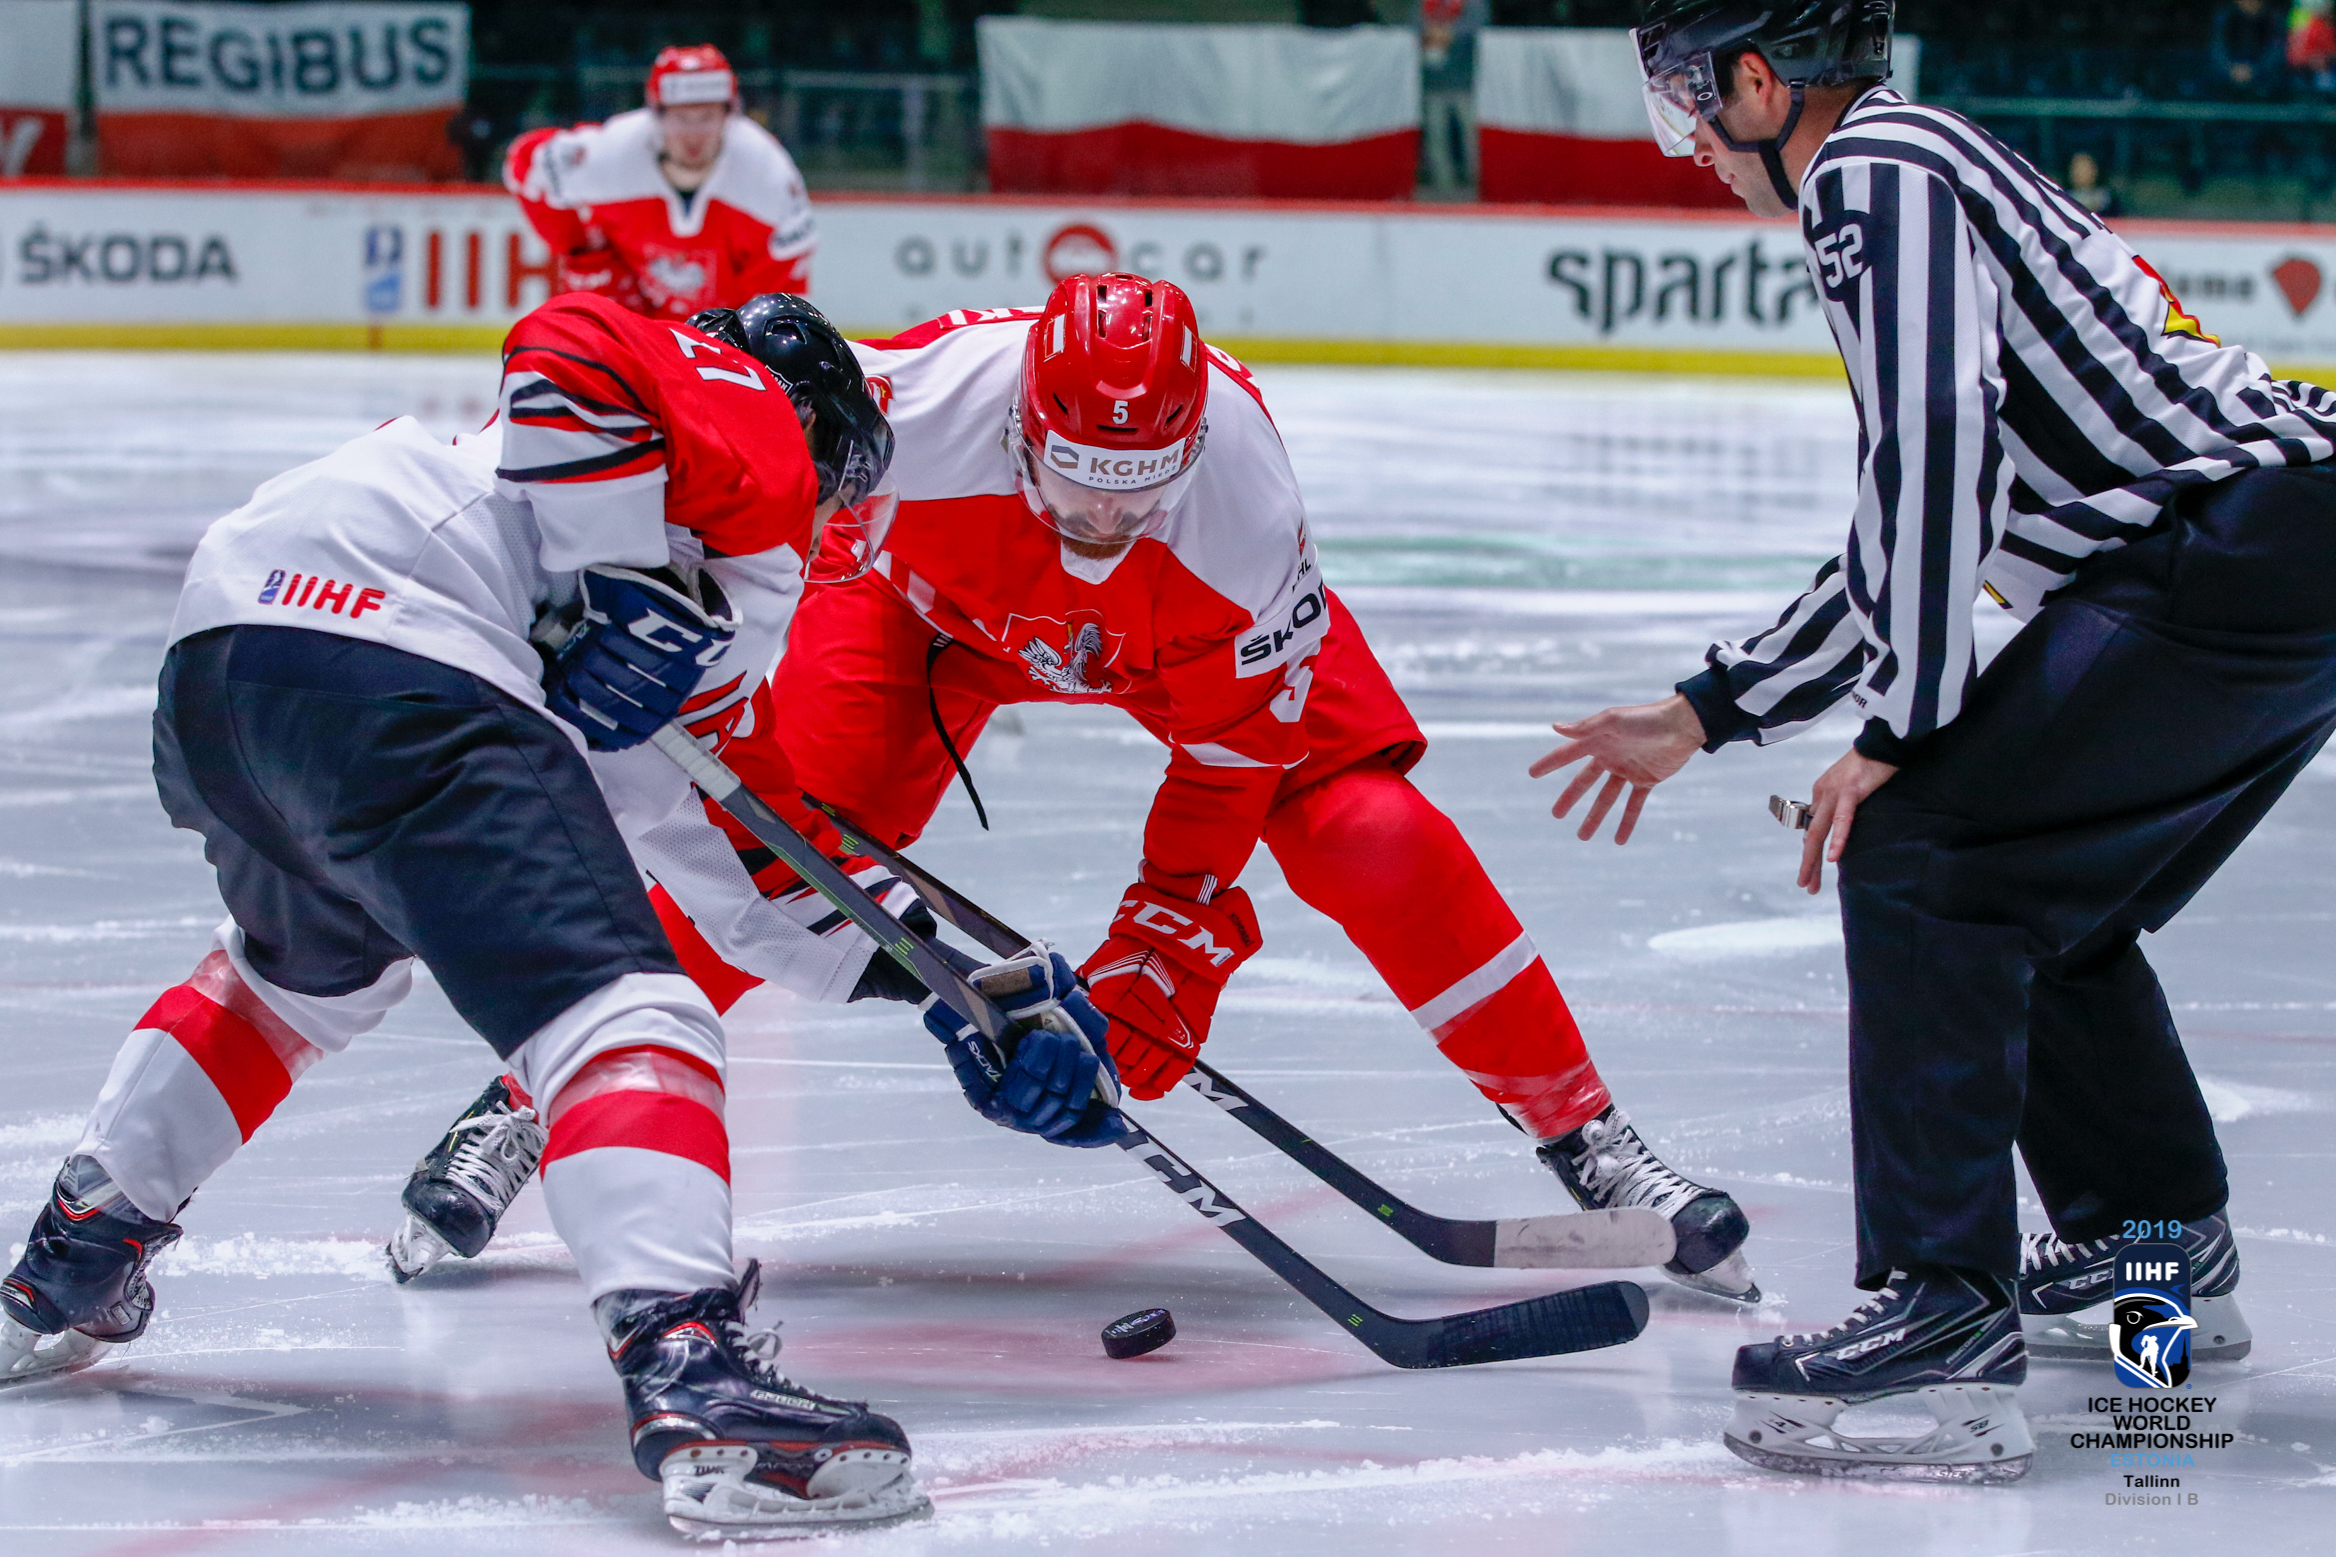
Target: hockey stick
(1585, 1319)
(1619, 1239)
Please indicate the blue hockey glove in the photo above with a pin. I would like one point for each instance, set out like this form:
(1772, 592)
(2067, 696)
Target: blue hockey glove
(638, 654)
(1061, 1083)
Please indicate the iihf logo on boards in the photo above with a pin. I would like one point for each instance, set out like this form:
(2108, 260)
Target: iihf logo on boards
(2149, 1316)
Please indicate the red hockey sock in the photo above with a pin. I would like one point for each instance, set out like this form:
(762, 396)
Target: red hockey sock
(1367, 849)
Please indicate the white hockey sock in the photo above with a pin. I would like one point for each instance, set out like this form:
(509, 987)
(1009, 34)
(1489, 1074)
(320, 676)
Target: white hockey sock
(637, 1170)
(207, 1065)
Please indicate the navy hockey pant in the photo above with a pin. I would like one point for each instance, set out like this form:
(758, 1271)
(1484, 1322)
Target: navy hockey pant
(362, 805)
(1993, 892)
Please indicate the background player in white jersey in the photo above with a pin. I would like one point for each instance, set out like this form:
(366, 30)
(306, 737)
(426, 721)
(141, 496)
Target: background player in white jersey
(1094, 506)
(2042, 428)
(677, 206)
(355, 715)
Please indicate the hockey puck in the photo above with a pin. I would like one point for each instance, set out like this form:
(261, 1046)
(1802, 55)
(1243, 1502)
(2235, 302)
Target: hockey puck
(1138, 1333)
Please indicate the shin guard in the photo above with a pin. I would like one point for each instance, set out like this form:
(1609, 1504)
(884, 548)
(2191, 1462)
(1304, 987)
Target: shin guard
(1369, 850)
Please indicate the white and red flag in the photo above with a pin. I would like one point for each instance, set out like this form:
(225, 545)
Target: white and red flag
(1176, 109)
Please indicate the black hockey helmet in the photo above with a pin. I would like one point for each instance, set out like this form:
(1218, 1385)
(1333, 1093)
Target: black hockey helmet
(851, 443)
(1687, 53)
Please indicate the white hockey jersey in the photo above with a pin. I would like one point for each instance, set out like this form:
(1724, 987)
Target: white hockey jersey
(449, 551)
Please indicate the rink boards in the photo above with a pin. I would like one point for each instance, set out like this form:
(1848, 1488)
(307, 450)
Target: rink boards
(438, 267)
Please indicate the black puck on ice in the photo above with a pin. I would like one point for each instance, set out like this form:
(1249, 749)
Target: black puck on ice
(1139, 1333)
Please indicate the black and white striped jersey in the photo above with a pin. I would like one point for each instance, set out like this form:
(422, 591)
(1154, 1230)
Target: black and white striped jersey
(2028, 391)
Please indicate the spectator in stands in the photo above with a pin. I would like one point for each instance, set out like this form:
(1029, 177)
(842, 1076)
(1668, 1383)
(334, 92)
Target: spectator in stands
(1448, 31)
(2311, 43)
(2248, 46)
(2086, 188)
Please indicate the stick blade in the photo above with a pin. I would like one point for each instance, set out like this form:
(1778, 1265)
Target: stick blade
(1620, 1239)
(1585, 1319)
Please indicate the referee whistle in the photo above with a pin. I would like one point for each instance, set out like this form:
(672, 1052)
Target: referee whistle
(1792, 813)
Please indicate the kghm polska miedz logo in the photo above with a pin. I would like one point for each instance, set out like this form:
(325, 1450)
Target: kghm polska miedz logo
(2149, 1316)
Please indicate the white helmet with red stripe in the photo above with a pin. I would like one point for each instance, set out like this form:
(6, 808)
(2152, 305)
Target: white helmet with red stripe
(691, 73)
(1113, 410)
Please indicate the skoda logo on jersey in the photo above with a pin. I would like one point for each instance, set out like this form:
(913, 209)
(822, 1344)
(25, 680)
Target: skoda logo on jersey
(2149, 1317)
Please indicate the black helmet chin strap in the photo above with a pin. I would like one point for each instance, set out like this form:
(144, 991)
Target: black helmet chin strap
(1771, 150)
(1772, 155)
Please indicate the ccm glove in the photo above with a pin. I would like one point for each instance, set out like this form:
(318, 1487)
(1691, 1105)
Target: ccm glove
(1060, 1083)
(1158, 974)
(645, 640)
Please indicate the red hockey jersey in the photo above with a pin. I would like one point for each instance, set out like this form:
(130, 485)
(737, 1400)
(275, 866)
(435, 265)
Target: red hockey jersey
(1211, 626)
(597, 196)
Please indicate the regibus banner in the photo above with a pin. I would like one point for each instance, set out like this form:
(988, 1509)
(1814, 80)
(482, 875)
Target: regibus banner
(37, 66)
(321, 90)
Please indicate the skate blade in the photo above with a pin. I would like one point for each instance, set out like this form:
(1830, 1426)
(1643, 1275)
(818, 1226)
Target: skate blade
(1731, 1278)
(414, 1248)
(26, 1355)
(708, 1498)
(2223, 1334)
(1979, 1434)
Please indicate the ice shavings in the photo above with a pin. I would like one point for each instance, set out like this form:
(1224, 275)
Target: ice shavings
(472, 1513)
(1750, 937)
(103, 930)
(46, 1132)
(248, 1254)
(2231, 1101)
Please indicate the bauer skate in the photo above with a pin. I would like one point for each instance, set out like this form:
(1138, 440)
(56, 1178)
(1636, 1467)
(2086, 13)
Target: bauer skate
(744, 1452)
(1949, 1338)
(462, 1186)
(1606, 1164)
(81, 1288)
(2060, 1280)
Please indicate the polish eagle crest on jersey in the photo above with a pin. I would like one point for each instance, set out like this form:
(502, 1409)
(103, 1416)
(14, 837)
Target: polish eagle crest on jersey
(1066, 670)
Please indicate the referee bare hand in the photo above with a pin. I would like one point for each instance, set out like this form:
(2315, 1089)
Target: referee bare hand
(1832, 808)
(1632, 749)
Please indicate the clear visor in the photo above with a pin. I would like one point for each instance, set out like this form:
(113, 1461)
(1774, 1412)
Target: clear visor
(848, 544)
(1096, 517)
(1678, 100)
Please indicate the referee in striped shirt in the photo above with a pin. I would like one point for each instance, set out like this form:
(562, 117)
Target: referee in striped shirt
(2043, 430)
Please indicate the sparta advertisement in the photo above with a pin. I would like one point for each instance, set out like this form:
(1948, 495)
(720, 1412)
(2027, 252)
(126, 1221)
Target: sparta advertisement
(454, 265)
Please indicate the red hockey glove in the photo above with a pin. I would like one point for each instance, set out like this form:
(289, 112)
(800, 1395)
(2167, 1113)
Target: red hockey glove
(1158, 973)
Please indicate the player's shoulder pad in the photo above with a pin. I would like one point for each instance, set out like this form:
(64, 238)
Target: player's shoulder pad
(596, 164)
(946, 388)
(1242, 528)
(931, 330)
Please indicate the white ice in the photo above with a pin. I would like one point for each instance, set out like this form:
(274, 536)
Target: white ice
(1520, 547)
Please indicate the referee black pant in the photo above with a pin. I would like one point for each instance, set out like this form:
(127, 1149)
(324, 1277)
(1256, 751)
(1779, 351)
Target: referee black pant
(1993, 893)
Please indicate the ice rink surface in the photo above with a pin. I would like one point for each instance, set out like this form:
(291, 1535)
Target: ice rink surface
(1519, 547)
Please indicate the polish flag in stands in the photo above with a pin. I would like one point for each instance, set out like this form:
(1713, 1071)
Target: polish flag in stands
(1561, 121)
(38, 65)
(1175, 109)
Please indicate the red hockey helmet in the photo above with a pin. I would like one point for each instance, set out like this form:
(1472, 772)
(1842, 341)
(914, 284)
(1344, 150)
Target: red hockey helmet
(692, 73)
(1113, 409)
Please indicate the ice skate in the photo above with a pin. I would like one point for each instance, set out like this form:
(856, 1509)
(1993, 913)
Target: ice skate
(81, 1289)
(2060, 1281)
(462, 1186)
(744, 1452)
(1606, 1164)
(1950, 1339)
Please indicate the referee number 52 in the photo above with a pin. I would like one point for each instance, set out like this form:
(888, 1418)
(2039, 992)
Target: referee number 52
(1838, 253)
